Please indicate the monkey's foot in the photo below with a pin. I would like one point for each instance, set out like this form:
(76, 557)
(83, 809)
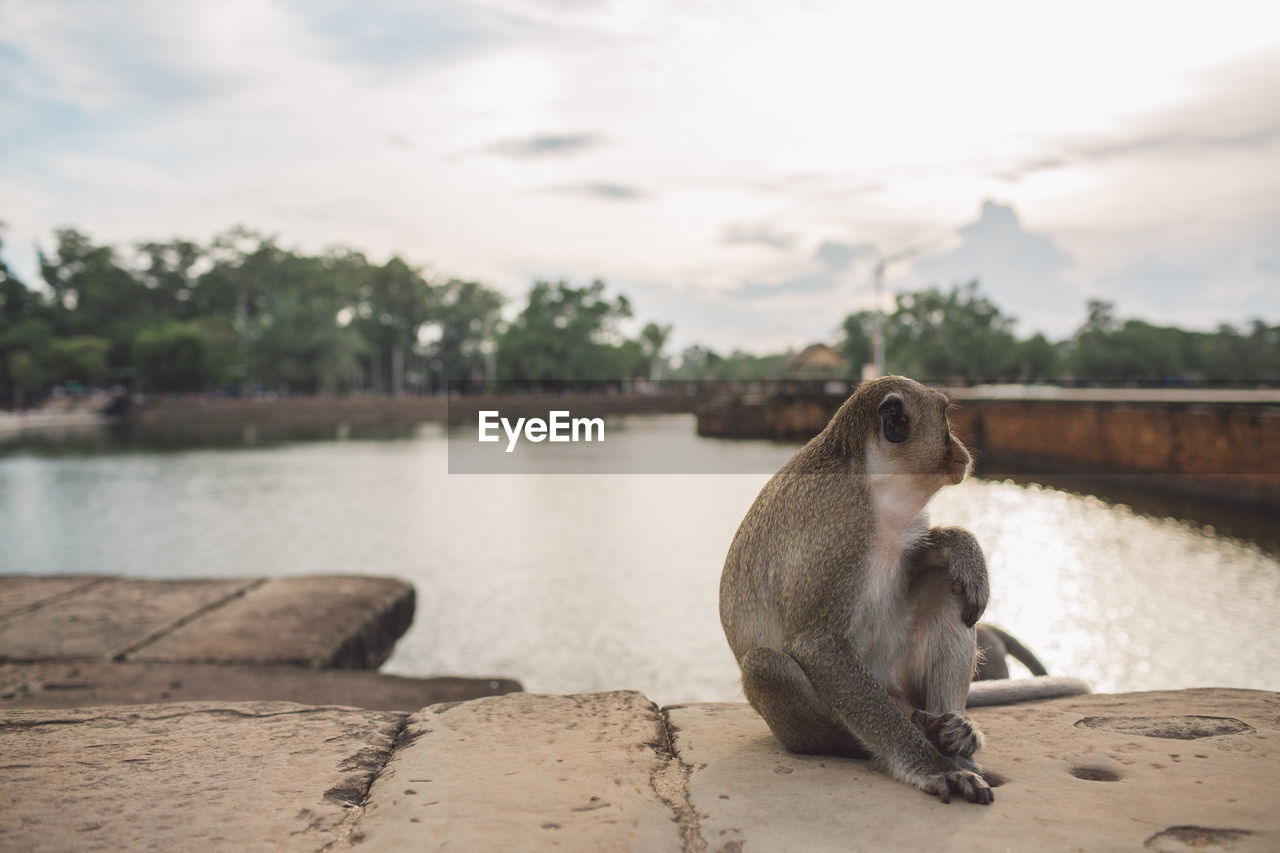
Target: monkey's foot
(969, 785)
(952, 734)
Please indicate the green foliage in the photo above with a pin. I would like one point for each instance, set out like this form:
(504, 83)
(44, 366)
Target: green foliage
(962, 335)
(80, 359)
(459, 336)
(653, 339)
(856, 344)
(93, 294)
(1108, 349)
(292, 339)
(699, 363)
(243, 311)
(171, 356)
(568, 335)
(1039, 360)
(959, 334)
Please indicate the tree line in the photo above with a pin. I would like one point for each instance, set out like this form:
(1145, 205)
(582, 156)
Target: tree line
(245, 313)
(960, 335)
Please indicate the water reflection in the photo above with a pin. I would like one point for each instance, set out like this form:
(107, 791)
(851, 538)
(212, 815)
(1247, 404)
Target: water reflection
(591, 582)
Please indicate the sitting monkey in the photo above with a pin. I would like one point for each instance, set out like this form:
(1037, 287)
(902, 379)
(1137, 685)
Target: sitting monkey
(851, 618)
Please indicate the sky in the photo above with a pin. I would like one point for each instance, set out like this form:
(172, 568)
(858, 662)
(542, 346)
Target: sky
(737, 169)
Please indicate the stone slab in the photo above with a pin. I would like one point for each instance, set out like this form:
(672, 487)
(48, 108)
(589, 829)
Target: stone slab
(27, 592)
(76, 684)
(1180, 770)
(525, 772)
(253, 776)
(107, 619)
(316, 621)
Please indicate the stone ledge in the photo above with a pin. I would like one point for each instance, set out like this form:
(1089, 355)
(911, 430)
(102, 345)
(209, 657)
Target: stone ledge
(1178, 770)
(250, 776)
(74, 684)
(321, 622)
(317, 621)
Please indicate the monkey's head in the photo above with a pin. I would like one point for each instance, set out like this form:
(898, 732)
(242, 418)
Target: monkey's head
(895, 425)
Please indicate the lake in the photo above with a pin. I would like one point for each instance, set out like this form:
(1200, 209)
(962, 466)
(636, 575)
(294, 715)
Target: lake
(585, 582)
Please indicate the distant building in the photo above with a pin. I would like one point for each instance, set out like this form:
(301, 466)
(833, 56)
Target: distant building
(818, 361)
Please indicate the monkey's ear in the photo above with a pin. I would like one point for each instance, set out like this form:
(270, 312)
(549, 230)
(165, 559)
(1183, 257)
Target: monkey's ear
(893, 419)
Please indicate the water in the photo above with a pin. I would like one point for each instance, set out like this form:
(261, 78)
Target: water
(594, 582)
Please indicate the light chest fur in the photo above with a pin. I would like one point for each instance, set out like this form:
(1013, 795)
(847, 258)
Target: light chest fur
(882, 617)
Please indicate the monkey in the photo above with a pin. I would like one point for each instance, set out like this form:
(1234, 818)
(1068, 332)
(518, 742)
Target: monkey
(852, 620)
(994, 643)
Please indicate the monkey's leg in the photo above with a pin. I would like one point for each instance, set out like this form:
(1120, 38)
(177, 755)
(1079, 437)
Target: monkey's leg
(938, 664)
(779, 690)
(865, 708)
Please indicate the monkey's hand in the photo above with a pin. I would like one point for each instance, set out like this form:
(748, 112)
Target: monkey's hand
(967, 567)
(951, 734)
(970, 785)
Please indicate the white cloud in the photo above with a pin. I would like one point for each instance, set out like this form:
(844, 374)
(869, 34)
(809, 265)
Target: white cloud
(1020, 271)
(741, 140)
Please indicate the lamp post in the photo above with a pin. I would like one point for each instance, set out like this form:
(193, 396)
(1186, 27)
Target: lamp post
(877, 334)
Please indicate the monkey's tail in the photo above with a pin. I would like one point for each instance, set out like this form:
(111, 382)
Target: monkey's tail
(1014, 646)
(1007, 691)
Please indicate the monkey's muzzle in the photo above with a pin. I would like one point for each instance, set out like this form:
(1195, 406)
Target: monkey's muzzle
(958, 462)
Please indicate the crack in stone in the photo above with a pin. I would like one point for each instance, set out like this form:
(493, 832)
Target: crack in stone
(671, 783)
(190, 617)
(345, 833)
(56, 598)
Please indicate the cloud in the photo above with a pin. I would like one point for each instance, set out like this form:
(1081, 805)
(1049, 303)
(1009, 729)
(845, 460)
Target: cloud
(395, 35)
(756, 234)
(1225, 119)
(1172, 143)
(833, 259)
(544, 145)
(838, 256)
(1022, 272)
(602, 190)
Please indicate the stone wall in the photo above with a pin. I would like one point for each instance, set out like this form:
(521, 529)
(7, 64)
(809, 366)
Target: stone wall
(1215, 444)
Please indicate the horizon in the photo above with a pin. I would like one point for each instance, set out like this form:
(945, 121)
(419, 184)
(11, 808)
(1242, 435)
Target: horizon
(738, 176)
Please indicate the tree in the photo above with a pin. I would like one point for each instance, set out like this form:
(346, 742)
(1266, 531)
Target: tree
(1039, 359)
(937, 335)
(81, 359)
(293, 340)
(858, 329)
(25, 328)
(171, 356)
(653, 338)
(392, 303)
(171, 279)
(93, 294)
(567, 336)
(459, 337)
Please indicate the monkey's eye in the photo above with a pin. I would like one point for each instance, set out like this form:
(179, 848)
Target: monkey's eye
(893, 419)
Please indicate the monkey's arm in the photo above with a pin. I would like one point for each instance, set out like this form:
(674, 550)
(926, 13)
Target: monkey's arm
(956, 548)
(864, 707)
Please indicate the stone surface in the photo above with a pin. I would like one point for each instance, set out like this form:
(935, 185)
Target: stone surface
(29, 592)
(1195, 769)
(256, 776)
(525, 772)
(106, 619)
(71, 684)
(316, 621)
(1182, 770)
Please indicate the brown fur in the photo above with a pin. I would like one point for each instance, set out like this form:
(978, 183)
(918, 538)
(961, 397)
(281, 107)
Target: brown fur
(846, 612)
